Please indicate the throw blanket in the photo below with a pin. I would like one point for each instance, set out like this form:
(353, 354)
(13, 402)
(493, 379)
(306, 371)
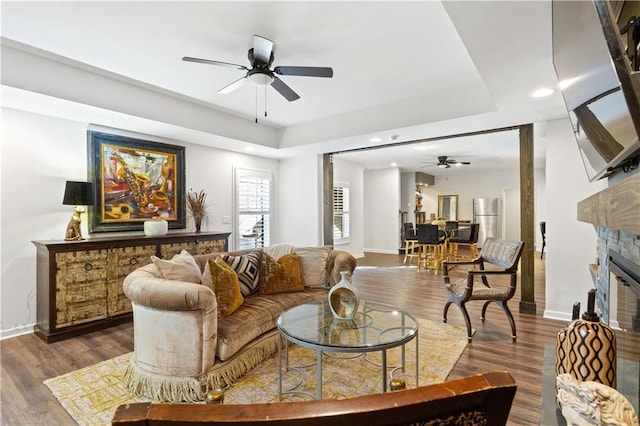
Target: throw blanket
(278, 250)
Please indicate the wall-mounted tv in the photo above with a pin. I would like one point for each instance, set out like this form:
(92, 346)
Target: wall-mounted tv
(595, 74)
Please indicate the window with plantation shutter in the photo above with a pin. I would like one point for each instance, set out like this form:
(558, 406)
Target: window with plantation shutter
(340, 213)
(253, 195)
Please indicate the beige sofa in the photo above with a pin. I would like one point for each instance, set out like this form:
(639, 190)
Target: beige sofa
(183, 349)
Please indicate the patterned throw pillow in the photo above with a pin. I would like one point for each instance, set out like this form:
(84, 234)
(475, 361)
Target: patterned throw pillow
(247, 266)
(281, 276)
(182, 267)
(226, 287)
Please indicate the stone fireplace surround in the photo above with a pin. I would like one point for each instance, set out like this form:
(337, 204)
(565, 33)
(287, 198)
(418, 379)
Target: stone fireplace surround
(615, 213)
(625, 244)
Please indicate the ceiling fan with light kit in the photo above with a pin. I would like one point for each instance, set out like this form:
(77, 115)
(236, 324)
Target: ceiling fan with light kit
(261, 57)
(444, 162)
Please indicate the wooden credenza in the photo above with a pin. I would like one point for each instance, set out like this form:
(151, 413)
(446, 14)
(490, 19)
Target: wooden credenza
(79, 283)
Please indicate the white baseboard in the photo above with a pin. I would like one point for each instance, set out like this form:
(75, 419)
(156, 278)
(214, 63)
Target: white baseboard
(16, 331)
(381, 251)
(563, 316)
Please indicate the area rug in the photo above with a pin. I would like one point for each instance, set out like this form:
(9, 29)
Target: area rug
(92, 394)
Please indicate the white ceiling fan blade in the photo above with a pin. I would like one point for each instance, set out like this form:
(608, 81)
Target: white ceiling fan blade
(233, 86)
(262, 48)
(211, 62)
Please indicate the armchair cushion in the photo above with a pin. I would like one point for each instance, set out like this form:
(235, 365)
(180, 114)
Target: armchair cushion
(479, 293)
(182, 267)
(280, 276)
(225, 286)
(247, 267)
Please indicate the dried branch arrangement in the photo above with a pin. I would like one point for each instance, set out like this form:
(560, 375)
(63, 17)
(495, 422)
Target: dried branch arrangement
(197, 205)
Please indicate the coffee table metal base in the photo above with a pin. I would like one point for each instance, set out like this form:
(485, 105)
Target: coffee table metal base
(319, 353)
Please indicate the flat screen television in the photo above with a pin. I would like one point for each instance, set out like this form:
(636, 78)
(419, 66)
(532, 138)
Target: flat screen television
(595, 75)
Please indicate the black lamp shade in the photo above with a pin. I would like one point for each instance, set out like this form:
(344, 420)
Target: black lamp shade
(78, 194)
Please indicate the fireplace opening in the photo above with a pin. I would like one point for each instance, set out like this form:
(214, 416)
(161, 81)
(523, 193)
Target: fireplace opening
(624, 315)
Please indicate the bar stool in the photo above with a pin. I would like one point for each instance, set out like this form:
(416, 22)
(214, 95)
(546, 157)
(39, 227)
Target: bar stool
(410, 243)
(470, 240)
(430, 245)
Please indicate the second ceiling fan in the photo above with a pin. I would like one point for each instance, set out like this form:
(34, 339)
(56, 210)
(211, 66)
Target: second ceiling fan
(260, 74)
(444, 162)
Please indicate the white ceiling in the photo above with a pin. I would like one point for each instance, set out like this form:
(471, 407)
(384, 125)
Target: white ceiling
(411, 69)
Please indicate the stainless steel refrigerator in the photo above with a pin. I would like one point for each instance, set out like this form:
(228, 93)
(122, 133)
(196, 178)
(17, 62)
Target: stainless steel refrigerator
(485, 212)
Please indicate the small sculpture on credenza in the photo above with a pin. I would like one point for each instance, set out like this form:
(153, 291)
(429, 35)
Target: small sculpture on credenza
(76, 194)
(73, 232)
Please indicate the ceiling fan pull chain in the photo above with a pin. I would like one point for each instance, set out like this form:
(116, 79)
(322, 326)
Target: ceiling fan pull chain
(256, 104)
(265, 100)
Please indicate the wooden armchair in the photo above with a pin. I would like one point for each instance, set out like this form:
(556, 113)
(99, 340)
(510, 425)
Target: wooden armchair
(504, 255)
(481, 399)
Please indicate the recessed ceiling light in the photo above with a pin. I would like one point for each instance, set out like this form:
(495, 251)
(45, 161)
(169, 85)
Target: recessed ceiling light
(375, 139)
(541, 93)
(248, 149)
(393, 164)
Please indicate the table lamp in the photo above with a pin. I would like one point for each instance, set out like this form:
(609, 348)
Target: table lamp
(76, 194)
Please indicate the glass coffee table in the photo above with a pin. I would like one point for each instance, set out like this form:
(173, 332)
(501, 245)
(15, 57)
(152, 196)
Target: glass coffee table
(376, 327)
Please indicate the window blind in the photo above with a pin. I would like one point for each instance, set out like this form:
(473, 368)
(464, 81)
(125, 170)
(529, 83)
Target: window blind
(340, 213)
(254, 207)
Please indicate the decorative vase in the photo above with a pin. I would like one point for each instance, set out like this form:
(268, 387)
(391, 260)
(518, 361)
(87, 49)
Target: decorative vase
(197, 206)
(197, 221)
(156, 227)
(343, 299)
(586, 349)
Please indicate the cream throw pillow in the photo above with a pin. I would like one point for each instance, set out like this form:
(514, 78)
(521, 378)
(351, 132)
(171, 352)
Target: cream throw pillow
(182, 267)
(313, 265)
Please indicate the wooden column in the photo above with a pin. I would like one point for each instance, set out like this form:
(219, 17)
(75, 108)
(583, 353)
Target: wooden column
(327, 199)
(527, 226)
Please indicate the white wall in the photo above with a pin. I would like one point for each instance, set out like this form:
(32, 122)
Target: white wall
(408, 195)
(38, 155)
(346, 171)
(540, 190)
(300, 195)
(381, 210)
(571, 245)
(511, 208)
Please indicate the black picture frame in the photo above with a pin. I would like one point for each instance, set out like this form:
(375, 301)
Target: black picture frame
(134, 180)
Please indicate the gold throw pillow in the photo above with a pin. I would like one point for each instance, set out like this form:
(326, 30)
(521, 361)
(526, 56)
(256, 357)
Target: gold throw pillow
(281, 276)
(226, 287)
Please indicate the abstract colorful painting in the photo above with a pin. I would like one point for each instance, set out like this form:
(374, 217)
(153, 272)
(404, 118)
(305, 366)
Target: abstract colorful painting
(134, 180)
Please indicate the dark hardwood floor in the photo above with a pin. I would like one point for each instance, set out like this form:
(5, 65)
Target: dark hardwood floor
(26, 361)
